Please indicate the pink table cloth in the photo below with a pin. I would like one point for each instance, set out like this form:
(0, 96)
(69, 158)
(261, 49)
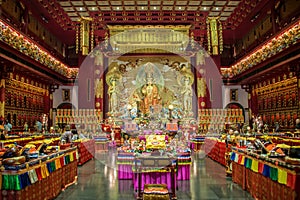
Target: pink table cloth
(153, 178)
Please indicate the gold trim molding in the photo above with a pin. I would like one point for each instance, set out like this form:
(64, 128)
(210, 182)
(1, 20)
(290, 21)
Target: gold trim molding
(149, 38)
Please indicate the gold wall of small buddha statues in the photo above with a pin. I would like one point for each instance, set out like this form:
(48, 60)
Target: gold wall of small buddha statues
(25, 100)
(277, 100)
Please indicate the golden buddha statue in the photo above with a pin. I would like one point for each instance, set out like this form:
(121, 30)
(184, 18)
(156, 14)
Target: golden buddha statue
(149, 95)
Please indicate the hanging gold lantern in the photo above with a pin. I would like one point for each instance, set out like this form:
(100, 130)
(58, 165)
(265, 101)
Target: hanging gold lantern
(214, 35)
(85, 31)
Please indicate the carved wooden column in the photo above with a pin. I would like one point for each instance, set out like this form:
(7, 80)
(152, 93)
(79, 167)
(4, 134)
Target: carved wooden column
(5, 70)
(50, 121)
(2, 97)
(99, 82)
(295, 68)
(298, 78)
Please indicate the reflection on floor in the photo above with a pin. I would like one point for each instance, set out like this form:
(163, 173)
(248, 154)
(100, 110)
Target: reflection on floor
(98, 179)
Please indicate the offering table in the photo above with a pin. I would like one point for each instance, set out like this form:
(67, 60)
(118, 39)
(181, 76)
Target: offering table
(150, 169)
(39, 179)
(277, 179)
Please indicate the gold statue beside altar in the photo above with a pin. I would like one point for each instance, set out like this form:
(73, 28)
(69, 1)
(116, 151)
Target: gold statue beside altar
(112, 79)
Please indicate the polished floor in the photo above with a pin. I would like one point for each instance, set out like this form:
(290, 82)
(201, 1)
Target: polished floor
(97, 179)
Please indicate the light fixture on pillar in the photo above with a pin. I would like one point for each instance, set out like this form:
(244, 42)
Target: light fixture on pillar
(53, 87)
(214, 35)
(85, 36)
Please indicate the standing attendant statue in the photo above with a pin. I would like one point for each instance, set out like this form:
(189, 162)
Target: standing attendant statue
(185, 81)
(112, 79)
(187, 93)
(113, 95)
(25, 126)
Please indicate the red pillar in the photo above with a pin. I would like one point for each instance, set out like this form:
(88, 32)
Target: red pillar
(99, 80)
(298, 78)
(2, 98)
(202, 90)
(50, 121)
(99, 98)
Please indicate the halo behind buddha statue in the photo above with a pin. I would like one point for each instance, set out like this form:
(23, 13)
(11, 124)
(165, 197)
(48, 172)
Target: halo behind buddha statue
(149, 71)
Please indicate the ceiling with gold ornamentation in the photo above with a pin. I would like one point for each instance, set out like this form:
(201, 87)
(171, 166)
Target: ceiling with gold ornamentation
(61, 16)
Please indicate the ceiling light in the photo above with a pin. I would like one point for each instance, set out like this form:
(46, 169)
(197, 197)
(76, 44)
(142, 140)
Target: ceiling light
(44, 19)
(143, 8)
(204, 8)
(154, 7)
(179, 8)
(217, 8)
(80, 8)
(118, 8)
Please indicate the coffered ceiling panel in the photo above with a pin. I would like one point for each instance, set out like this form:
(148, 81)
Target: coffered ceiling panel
(167, 8)
(220, 3)
(223, 18)
(192, 8)
(142, 2)
(69, 9)
(90, 3)
(105, 12)
(103, 3)
(155, 2)
(84, 14)
(129, 3)
(168, 2)
(214, 13)
(93, 8)
(116, 3)
(65, 3)
(77, 3)
(208, 7)
(183, 3)
(225, 14)
(105, 8)
(194, 3)
(72, 14)
(233, 3)
(130, 8)
(207, 3)
(80, 9)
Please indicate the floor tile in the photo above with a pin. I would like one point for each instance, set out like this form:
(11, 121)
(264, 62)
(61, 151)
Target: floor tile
(98, 179)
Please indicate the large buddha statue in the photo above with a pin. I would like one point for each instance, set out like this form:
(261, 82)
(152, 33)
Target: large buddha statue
(149, 95)
(149, 82)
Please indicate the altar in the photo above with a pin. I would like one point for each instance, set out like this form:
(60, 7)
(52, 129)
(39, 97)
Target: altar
(154, 159)
(125, 163)
(151, 169)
